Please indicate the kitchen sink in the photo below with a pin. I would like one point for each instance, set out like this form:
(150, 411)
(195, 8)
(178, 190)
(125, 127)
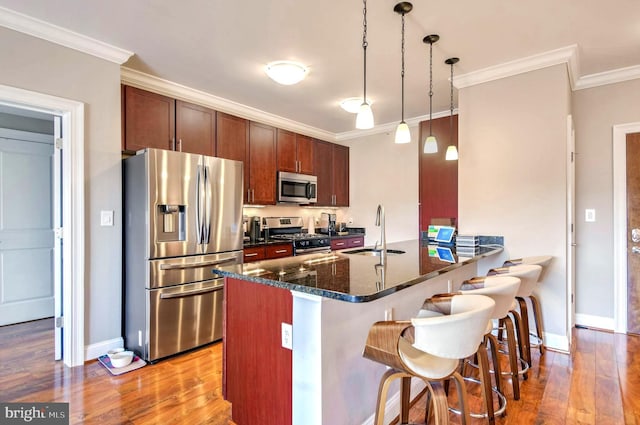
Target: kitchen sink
(373, 252)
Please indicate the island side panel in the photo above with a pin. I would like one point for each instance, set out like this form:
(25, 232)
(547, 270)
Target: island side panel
(256, 369)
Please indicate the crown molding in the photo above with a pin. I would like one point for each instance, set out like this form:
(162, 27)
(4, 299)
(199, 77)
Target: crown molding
(388, 127)
(608, 77)
(64, 37)
(144, 81)
(568, 55)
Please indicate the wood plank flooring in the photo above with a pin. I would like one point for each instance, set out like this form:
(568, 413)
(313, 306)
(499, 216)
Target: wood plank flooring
(598, 384)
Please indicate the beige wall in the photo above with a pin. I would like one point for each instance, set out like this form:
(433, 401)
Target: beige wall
(381, 172)
(596, 111)
(33, 64)
(512, 174)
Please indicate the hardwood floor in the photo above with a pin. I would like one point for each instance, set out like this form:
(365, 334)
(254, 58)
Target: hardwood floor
(598, 384)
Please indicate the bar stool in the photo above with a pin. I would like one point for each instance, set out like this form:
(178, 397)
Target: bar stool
(528, 275)
(542, 261)
(430, 348)
(502, 290)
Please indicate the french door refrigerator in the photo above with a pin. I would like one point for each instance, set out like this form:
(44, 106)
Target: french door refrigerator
(182, 219)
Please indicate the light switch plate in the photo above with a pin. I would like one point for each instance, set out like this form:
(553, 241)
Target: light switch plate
(287, 336)
(590, 215)
(106, 218)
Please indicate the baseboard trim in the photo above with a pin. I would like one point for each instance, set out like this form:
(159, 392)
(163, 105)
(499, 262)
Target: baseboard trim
(96, 350)
(606, 323)
(392, 406)
(556, 342)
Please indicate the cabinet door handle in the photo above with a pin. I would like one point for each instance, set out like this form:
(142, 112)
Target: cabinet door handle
(173, 143)
(252, 254)
(180, 144)
(356, 242)
(339, 243)
(280, 251)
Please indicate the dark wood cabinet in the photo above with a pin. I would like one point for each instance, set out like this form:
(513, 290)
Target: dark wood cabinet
(195, 129)
(294, 152)
(267, 252)
(149, 120)
(261, 165)
(332, 169)
(348, 242)
(152, 120)
(232, 137)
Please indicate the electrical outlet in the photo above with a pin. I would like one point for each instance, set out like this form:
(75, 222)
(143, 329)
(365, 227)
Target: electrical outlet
(106, 218)
(590, 215)
(350, 220)
(287, 336)
(388, 313)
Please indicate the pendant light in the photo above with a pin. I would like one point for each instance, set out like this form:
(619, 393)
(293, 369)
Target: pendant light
(403, 135)
(364, 119)
(452, 151)
(430, 143)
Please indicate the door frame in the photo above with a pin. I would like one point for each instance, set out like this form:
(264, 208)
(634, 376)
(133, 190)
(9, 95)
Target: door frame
(620, 223)
(72, 113)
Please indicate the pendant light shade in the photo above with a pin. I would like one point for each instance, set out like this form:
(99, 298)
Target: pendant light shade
(430, 143)
(403, 134)
(452, 151)
(364, 119)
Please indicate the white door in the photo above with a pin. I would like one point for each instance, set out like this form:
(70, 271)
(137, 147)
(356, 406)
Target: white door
(57, 226)
(571, 219)
(26, 227)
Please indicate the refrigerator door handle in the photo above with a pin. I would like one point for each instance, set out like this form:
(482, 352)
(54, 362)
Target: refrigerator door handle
(190, 293)
(198, 202)
(197, 265)
(207, 206)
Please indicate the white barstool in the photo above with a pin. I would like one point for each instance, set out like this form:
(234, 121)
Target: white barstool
(528, 275)
(502, 290)
(429, 347)
(542, 261)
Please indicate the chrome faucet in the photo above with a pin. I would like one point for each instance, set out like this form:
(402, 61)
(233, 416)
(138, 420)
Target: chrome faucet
(383, 239)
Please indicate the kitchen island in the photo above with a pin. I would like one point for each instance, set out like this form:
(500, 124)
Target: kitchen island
(322, 306)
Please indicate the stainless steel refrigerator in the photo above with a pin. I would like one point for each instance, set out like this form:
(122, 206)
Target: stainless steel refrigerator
(182, 218)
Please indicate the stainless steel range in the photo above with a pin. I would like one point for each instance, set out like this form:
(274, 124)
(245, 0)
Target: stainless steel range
(290, 229)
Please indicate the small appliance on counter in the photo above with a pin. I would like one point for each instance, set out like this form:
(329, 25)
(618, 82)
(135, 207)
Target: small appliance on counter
(254, 228)
(327, 224)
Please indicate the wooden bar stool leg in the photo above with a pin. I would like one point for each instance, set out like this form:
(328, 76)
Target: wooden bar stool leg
(383, 390)
(538, 319)
(485, 377)
(493, 346)
(405, 398)
(439, 399)
(526, 341)
(517, 321)
(513, 359)
(465, 418)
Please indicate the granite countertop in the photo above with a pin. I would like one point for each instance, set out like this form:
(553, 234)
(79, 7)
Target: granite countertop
(352, 277)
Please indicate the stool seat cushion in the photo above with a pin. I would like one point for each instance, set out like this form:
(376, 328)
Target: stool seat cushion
(424, 364)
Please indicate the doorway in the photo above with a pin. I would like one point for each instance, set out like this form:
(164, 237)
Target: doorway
(621, 236)
(71, 125)
(27, 206)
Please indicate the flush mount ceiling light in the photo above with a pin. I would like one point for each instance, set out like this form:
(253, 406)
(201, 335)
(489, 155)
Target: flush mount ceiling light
(352, 104)
(452, 151)
(286, 72)
(364, 119)
(430, 143)
(403, 135)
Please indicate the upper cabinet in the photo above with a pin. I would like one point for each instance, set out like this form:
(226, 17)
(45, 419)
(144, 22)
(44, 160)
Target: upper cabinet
(294, 152)
(260, 167)
(332, 169)
(232, 137)
(155, 121)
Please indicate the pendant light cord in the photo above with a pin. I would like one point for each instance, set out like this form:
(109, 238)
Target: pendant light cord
(430, 86)
(364, 48)
(451, 116)
(402, 72)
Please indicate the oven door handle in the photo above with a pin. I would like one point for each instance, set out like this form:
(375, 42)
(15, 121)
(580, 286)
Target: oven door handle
(190, 293)
(196, 265)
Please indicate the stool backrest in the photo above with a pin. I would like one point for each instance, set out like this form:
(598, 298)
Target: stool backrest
(455, 335)
(540, 260)
(527, 273)
(501, 289)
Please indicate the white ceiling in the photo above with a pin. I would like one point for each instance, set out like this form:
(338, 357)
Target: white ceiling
(221, 47)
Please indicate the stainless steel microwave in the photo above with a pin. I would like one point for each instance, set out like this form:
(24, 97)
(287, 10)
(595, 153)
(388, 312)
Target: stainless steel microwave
(297, 188)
